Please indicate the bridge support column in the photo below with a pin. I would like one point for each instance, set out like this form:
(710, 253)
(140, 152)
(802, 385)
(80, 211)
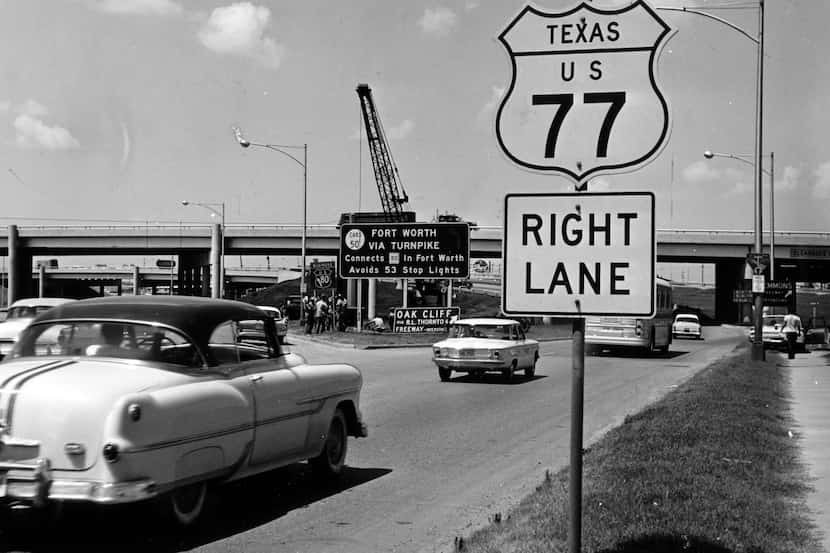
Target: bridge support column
(41, 281)
(216, 262)
(729, 276)
(371, 297)
(20, 268)
(136, 281)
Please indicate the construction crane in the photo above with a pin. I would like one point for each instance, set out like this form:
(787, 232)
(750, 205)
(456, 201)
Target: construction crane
(393, 198)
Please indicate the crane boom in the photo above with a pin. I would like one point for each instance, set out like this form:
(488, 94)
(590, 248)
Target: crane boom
(393, 198)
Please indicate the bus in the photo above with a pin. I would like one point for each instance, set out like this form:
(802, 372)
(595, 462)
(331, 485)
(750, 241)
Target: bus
(652, 334)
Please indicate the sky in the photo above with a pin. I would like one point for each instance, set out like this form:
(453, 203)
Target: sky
(114, 111)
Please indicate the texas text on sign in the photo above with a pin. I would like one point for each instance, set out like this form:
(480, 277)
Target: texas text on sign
(405, 250)
(423, 319)
(579, 254)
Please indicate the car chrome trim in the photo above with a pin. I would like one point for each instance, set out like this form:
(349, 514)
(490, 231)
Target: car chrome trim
(188, 439)
(9, 409)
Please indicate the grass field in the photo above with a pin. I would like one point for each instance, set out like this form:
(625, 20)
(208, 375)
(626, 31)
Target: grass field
(710, 468)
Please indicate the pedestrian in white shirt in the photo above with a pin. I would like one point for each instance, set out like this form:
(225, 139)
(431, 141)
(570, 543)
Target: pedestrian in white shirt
(791, 330)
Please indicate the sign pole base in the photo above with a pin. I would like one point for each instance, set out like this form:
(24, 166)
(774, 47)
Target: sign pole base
(577, 397)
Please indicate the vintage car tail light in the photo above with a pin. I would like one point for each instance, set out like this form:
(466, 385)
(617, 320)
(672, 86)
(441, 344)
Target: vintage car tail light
(134, 410)
(436, 351)
(638, 328)
(494, 354)
(111, 452)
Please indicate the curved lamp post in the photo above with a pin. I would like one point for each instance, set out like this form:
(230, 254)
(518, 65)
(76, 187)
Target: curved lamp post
(245, 143)
(757, 345)
(771, 173)
(218, 290)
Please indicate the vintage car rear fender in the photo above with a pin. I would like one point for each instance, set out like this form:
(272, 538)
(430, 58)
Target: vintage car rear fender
(65, 401)
(324, 388)
(197, 429)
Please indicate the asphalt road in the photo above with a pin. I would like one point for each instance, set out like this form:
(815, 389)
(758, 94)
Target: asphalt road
(441, 458)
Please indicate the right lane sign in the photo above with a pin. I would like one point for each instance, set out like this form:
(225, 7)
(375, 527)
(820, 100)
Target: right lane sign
(579, 254)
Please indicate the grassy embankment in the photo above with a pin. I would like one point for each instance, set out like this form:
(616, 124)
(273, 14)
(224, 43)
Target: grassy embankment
(709, 468)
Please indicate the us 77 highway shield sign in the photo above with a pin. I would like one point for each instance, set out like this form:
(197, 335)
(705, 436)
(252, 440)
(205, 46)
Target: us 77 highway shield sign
(579, 254)
(583, 98)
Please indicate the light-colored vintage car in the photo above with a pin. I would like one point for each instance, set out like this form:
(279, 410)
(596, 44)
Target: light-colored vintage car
(18, 317)
(124, 399)
(687, 325)
(772, 334)
(477, 346)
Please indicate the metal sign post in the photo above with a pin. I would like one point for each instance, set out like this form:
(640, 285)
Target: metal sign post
(577, 402)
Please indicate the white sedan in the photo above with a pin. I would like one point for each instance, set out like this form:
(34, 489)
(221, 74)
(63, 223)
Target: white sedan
(18, 317)
(687, 326)
(477, 346)
(124, 399)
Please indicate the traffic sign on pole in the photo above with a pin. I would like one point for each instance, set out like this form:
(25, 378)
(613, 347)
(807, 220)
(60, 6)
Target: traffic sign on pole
(579, 254)
(584, 98)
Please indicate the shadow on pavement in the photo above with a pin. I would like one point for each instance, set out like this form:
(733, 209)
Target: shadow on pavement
(635, 353)
(668, 544)
(494, 378)
(235, 508)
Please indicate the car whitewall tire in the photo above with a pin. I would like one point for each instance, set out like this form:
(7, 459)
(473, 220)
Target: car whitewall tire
(331, 460)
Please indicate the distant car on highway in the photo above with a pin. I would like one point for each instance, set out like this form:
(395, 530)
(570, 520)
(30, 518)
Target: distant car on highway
(133, 398)
(18, 317)
(773, 336)
(482, 345)
(687, 325)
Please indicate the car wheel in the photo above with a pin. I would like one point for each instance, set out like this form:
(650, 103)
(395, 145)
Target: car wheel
(508, 372)
(186, 504)
(331, 460)
(531, 370)
(444, 374)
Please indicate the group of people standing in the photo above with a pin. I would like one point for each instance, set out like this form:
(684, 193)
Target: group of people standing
(321, 315)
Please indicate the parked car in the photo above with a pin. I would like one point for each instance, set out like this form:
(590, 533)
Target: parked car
(687, 325)
(477, 346)
(772, 334)
(280, 321)
(132, 398)
(18, 317)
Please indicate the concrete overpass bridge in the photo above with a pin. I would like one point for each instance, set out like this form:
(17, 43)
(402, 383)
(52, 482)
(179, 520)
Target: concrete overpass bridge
(799, 256)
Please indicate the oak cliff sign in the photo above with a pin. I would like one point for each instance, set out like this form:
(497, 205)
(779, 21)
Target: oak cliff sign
(583, 99)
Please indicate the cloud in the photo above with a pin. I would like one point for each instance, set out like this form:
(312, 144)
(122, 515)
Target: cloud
(788, 180)
(32, 132)
(33, 108)
(137, 7)
(401, 131)
(700, 172)
(821, 188)
(239, 29)
(487, 112)
(437, 21)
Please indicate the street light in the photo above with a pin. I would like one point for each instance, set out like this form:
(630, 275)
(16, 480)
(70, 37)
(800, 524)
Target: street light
(240, 138)
(744, 158)
(757, 345)
(218, 288)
